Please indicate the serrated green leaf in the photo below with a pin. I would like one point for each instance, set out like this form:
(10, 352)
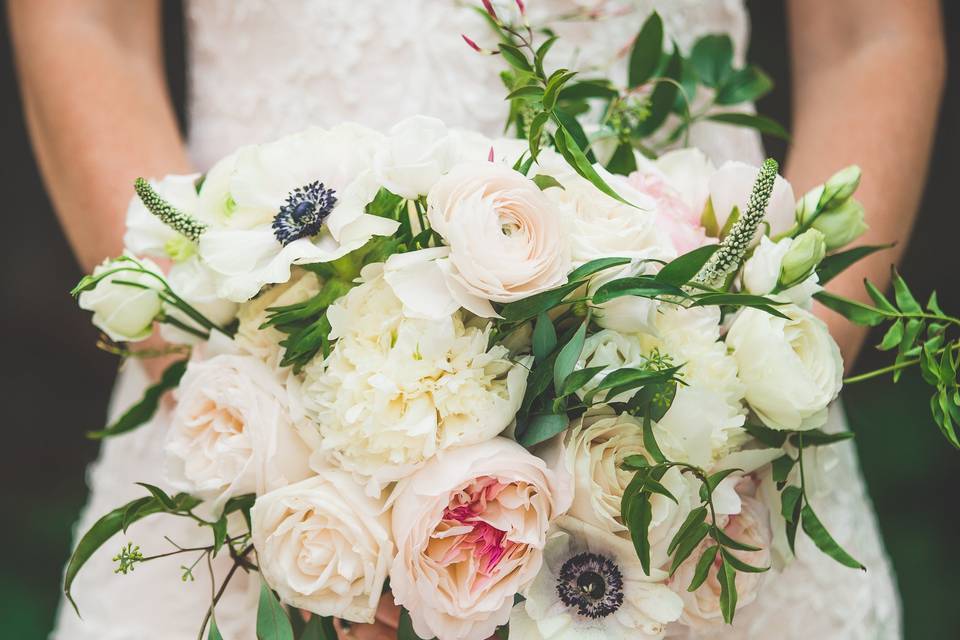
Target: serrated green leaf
(141, 413)
(746, 85)
(852, 310)
(691, 539)
(542, 427)
(905, 299)
(514, 57)
(752, 121)
(711, 57)
(646, 51)
(821, 537)
(892, 337)
(728, 591)
(682, 270)
(544, 338)
(568, 357)
(695, 517)
(272, 620)
(703, 568)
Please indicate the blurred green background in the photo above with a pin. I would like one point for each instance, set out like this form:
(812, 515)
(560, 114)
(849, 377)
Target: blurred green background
(55, 384)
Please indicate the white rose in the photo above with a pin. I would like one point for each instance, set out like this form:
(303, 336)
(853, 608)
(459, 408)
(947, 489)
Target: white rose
(731, 186)
(613, 350)
(792, 368)
(594, 449)
(395, 390)
(602, 227)
(506, 241)
(626, 314)
(245, 192)
(125, 313)
(265, 343)
(324, 546)
(230, 432)
(418, 151)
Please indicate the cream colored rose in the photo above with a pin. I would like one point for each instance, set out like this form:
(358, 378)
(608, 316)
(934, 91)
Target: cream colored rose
(594, 449)
(792, 368)
(324, 546)
(505, 236)
(125, 313)
(230, 432)
(470, 528)
(265, 343)
(417, 152)
(749, 523)
(612, 350)
(627, 314)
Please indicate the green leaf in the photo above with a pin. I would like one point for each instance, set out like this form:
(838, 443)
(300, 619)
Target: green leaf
(852, 310)
(879, 299)
(650, 441)
(627, 378)
(544, 337)
(791, 501)
(637, 518)
(640, 286)
(695, 517)
(634, 462)
(728, 591)
(159, 495)
(816, 437)
(703, 568)
(587, 269)
(623, 161)
(272, 620)
(542, 427)
(531, 307)
(713, 481)
(711, 57)
(646, 51)
(892, 337)
(740, 565)
(405, 627)
(905, 299)
(514, 57)
(101, 531)
(767, 305)
(579, 162)
(569, 123)
(753, 121)
(680, 271)
(214, 633)
(693, 537)
(766, 435)
(568, 356)
(824, 541)
(319, 628)
(141, 413)
(664, 95)
(526, 92)
(781, 468)
(545, 182)
(585, 89)
(727, 541)
(578, 378)
(834, 264)
(542, 53)
(746, 85)
(554, 85)
(535, 134)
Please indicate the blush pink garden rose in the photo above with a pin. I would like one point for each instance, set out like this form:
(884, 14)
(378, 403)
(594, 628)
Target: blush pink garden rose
(470, 528)
(747, 521)
(505, 238)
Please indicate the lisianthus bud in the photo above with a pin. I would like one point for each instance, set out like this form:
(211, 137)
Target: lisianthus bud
(805, 253)
(840, 187)
(809, 205)
(842, 225)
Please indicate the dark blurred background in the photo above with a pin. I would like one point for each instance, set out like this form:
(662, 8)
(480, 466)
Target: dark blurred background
(55, 383)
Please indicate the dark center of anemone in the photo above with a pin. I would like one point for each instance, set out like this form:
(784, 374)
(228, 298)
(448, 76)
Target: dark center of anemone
(592, 583)
(303, 213)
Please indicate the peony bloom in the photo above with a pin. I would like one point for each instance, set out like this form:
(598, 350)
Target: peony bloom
(324, 546)
(470, 529)
(125, 313)
(243, 195)
(396, 391)
(418, 151)
(265, 343)
(505, 237)
(231, 433)
(601, 227)
(746, 520)
(594, 449)
(792, 369)
(592, 586)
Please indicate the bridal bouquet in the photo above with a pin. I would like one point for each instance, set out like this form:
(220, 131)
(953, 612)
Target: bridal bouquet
(550, 386)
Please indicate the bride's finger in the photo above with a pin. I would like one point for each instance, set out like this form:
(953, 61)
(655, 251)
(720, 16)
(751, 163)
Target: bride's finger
(387, 612)
(375, 631)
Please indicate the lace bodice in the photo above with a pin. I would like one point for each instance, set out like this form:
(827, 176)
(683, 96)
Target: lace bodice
(260, 69)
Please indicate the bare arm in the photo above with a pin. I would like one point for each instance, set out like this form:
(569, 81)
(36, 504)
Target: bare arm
(868, 75)
(97, 109)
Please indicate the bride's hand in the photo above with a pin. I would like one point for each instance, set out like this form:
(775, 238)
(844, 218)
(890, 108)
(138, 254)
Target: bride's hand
(383, 628)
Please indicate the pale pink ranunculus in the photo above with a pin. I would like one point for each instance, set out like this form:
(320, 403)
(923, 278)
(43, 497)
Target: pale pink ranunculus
(749, 524)
(506, 239)
(470, 528)
(675, 215)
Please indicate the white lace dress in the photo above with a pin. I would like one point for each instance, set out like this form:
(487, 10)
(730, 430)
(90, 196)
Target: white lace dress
(261, 69)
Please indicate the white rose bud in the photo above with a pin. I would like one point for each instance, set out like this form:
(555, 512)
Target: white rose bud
(842, 225)
(125, 313)
(762, 271)
(418, 151)
(324, 546)
(792, 369)
(805, 253)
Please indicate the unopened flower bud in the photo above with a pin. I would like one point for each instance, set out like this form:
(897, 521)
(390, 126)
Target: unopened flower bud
(842, 225)
(840, 187)
(489, 7)
(473, 45)
(805, 253)
(808, 205)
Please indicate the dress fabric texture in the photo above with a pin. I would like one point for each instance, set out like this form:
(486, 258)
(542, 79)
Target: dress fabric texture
(261, 69)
